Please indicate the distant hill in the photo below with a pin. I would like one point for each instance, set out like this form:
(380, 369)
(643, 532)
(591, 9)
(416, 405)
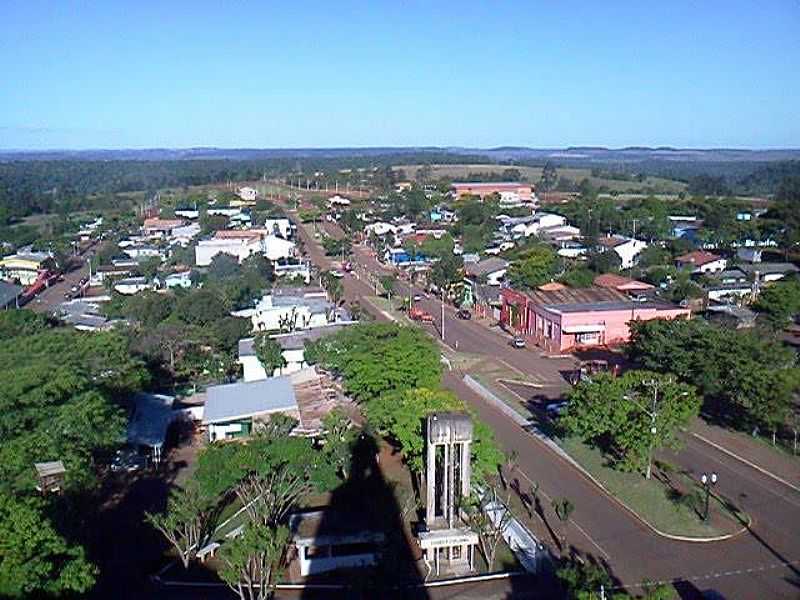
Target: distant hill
(571, 155)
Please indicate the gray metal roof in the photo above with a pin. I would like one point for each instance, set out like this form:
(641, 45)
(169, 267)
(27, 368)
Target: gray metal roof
(486, 267)
(8, 293)
(151, 418)
(764, 268)
(240, 400)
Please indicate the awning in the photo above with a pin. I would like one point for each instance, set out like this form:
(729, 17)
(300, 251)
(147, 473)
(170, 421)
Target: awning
(584, 329)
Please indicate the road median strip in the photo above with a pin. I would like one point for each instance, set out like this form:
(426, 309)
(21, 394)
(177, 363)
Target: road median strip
(531, 428)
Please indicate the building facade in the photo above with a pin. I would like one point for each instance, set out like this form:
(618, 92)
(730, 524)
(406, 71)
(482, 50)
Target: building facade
(570, 318)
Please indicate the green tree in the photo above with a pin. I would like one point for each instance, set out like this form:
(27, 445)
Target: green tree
(269, 353)
(201, 307)
(224, 267)
(376, 358)
(388, 283)
(188, 522)
(34, 559)
(549, 177)
(533, 267)
(779, 303)
(578, 277)
(749, 379)
(630, 416)
(252, 561)
(149, 267)
(447, 271)
(339, 437)
(21, 322)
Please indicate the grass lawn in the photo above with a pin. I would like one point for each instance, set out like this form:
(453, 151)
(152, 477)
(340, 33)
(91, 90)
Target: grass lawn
(489, 382)
(650, 499)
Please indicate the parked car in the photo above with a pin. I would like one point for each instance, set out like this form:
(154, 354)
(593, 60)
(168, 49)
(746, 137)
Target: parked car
(464, 314)
(518, 342)
(556, 409)
(417, 297)
(128, 460)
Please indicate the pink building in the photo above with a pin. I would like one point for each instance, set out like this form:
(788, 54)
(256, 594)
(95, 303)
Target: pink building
(571, 318)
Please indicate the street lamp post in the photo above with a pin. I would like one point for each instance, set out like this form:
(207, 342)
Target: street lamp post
(707, 481)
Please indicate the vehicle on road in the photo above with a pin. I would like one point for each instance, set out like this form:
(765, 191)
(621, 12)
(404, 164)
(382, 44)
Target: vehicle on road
(518, 342)
(417, 297)
(128, 460)
(337, 274)
(588, 368)
(555, 409)
(417, 314)
(464, 314)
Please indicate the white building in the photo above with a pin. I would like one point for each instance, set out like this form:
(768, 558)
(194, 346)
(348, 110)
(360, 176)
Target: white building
(301, 270)
(292, 349)
(131, 286)
(275, 248)
(544, 221)
(338, 200)
(290, 313)
(240, 248)
(247, 194)
(184, 235)
(380, 228)
(700, 261)
(138, 252)
(281, 226)
(182, 279)
(628, 249)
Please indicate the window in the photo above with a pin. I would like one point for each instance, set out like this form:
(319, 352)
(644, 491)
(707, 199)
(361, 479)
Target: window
(591, 337)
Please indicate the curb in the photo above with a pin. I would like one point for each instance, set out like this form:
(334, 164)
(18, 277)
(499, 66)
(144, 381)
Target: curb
(745, 461)
(520, 420)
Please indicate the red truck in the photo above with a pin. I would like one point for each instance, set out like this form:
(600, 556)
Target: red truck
(417, 314)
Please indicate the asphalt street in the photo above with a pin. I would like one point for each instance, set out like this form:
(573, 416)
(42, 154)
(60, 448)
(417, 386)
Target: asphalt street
(764, 562)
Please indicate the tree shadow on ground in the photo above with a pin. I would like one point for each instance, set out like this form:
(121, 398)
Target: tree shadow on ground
(366, 502)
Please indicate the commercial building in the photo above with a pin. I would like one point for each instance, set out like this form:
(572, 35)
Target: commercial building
(242, 244)
(24, 268)
(564, 319)
(522, 190)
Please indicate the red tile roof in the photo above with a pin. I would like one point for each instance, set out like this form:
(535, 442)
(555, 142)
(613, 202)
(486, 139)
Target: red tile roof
(697, 258)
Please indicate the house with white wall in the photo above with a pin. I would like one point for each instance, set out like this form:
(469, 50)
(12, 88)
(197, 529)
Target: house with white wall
(700, 261)
(628, 249)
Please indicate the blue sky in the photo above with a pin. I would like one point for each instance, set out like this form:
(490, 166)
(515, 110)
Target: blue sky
(396, 73)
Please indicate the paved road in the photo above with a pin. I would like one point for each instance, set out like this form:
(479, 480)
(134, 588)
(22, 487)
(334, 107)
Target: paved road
(48, 299)
(764, 563)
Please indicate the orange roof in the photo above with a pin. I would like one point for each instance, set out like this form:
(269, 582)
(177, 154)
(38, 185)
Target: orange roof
(698, 258)
(618, 282)
(553, 286)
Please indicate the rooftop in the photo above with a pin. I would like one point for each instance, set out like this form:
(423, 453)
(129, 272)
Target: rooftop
(152, 415)
(485, 267)
(766, 267)
(240, 400)
(618, 282)
(698, 258)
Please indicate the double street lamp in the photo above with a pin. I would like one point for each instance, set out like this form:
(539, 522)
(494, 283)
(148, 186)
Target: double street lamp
(708, 481)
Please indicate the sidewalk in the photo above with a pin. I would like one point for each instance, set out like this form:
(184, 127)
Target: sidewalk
(770, 461)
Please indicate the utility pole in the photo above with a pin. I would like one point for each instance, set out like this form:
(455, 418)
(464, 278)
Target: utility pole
(442, 313)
